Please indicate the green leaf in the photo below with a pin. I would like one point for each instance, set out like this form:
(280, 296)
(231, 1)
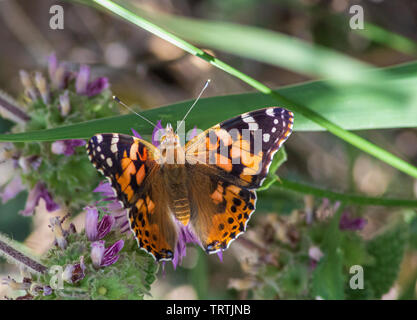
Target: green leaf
(351, 109)
(278, 160)
(387, 251)
(328, 280)
(277, 48)
(388, 38)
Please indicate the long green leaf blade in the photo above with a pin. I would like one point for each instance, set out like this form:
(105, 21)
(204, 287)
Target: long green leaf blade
(354, 109)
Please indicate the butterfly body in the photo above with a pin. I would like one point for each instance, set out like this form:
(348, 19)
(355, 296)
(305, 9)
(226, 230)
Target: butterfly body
(208, 185)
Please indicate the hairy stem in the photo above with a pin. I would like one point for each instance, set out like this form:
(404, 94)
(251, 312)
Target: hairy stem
(17, 257)
(10, 110)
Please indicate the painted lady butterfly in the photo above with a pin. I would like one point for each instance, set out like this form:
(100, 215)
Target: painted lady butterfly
(208, 184)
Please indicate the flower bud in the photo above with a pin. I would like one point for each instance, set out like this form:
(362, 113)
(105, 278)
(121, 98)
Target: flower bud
(40, 82)
(74, 273)
(81, 82)
(64, 103)
(28, 85)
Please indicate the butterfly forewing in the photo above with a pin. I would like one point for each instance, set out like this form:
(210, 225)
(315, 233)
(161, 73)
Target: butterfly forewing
(241, 149)
(130, 165)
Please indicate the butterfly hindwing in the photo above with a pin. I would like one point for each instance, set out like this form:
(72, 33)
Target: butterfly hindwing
(241, 149)
(151, 220)
(222, 215)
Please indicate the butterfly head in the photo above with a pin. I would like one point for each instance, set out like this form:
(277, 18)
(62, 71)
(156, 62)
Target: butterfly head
(169, 138)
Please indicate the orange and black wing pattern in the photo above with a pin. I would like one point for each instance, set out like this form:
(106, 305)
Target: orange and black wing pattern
(220, 210)
(130, 164)
(241, 149)
(226, 164)
(125, 161)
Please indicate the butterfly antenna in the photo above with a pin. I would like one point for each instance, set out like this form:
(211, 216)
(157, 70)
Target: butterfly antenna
(195, 102)
(130, 109)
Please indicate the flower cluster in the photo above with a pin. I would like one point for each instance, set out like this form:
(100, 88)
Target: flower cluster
(283, 256)
(81, 266)
(57, 172)
(96, 231)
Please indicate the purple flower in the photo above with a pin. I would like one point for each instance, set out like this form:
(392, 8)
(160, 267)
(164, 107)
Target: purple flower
(135, 133)
(58, 73)
(113, 206)
(185, 236)
(157, 134)
(29, 163)
(193, 133)
(84, 87)
(74, 273)
(95, 230)
(103, 257)
(52, 65)
(66, 147)
(349, 223)
(97, 86)
(12, 189)
(47, 290)
(105, 189)
(315, 254)
(220, 255)
(37, 288)
(37, 193)
(81, 81)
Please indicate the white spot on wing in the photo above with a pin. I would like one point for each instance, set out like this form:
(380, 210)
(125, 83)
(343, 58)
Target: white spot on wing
(109, 162)
(115, 139)
(248, 119)
(276, 121)
(99, 138)
(266, 137)
(270, 112)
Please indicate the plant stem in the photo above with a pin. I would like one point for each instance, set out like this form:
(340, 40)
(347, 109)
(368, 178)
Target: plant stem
(19, 258)
(349, 137)
(347, 198)
(12, 111)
